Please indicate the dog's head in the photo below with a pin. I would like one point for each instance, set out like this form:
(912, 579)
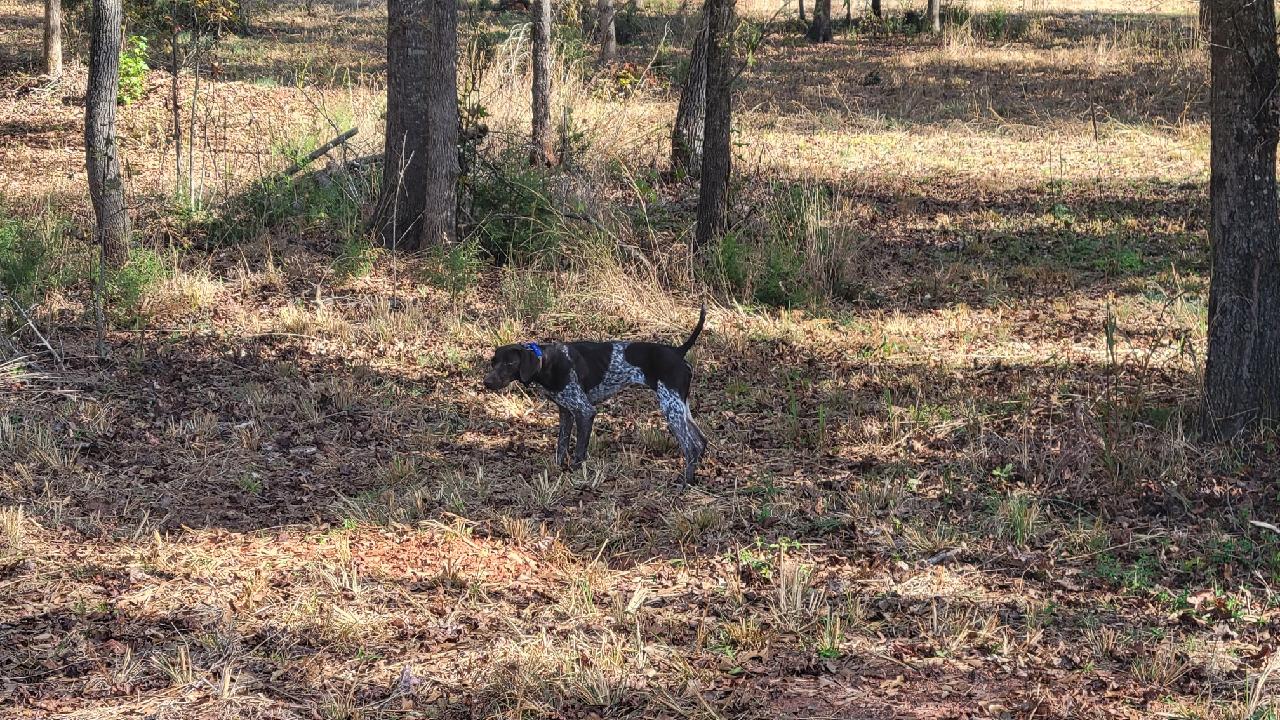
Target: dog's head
(511, 363)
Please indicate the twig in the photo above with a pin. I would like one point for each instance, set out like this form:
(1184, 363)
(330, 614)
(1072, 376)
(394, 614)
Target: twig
(656, 51)
(294, 168)
(31, 324)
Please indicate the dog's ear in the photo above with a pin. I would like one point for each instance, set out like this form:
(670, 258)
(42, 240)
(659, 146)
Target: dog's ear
(530, 364)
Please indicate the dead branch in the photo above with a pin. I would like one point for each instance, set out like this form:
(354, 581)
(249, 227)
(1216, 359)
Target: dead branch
(26, 318)
(298, 166)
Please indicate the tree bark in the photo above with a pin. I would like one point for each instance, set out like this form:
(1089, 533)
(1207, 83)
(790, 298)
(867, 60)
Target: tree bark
(440, 217)
(875, 8)
(106, 187)
(802, 19)
(820, 28)
(542, 151)
(691, 115)
(606, 31)
(935, 15)
(398, 214)
(53, 38)
(1242, 369)
(713, 192)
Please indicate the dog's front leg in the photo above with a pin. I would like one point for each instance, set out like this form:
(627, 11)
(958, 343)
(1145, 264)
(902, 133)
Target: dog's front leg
(562, 441)
(585, 419)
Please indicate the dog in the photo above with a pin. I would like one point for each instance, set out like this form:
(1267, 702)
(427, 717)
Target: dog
(577, 376)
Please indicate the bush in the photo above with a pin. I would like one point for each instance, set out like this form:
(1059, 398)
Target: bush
(355, 258)
(36, 257)
(128, 285)
(454, 267)
(133, 70)
(513, 214)
(304, 204)
(794, 262)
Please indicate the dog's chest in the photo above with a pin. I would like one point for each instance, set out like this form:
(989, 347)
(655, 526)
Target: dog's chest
(619, 375)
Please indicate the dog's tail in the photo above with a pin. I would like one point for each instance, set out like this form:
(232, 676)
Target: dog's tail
(697, 330)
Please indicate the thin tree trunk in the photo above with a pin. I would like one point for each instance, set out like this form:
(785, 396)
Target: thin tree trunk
(53, 38)
(439, 217)
(174, 68)
(542, 150)
(691, 115)
(875, 8)
(713, 192)
(606, 31)
(802, 18)
(1242, 369)
(935, 15)
(397, 216)
(820, 28)
(106, 187)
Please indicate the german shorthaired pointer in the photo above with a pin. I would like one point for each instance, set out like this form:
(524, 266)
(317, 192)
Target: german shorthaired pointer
(578, 375)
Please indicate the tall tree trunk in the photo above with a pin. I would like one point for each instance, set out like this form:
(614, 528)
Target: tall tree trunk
(106, 187)
(802, 19)
(542, 150)
(875, 8)
(1242, 369)
(53, 38)
(935, 15)
(398, 215)
(606, 31)
(717, 151)
(820, 28)
(691, 115)
(440, 217)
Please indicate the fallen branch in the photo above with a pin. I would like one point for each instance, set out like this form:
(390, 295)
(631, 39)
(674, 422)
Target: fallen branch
(17, 307)
(296, 167)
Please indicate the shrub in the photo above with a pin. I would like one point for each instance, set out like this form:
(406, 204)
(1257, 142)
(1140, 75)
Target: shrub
(303, 203)
(133, 70)
(355, 258)
(36, 256)
(128, 284)
(512, 210)
(454, 267)
(795, 259)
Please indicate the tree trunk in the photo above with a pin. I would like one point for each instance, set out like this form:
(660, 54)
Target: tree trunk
(542, 150)
(802, 18)
(820, 28)
(606, 32)
(935, 15)
(1242, 369)
(106, 187)
(174, 105)
(398, 214)
(691, 115)
(713, 193)
(53, 38)
(440, 217)
(875, 8)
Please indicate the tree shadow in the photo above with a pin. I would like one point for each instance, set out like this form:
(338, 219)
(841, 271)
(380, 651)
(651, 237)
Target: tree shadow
(922, 85)
(941, 242)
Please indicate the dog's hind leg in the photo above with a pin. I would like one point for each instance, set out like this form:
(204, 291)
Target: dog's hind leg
(686, 432)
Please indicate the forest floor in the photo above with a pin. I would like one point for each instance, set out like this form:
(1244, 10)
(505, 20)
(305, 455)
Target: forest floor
(968, 486)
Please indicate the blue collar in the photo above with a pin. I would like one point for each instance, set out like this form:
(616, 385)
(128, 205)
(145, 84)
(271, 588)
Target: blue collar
(537, 351)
